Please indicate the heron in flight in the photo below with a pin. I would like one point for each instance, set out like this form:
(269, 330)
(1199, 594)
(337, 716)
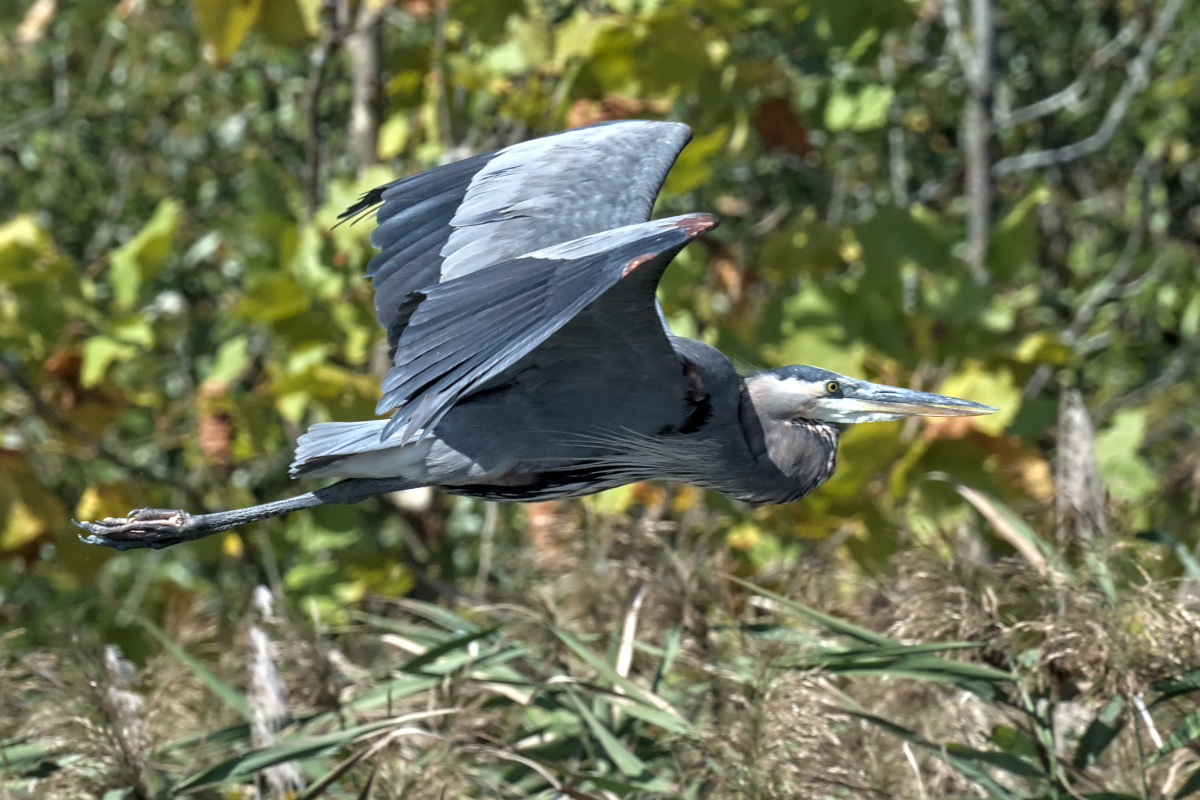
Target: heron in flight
(530, 357)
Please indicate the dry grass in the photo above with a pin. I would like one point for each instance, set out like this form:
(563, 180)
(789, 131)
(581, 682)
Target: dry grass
(516, 714)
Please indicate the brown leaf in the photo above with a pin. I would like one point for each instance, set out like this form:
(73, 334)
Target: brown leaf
(214, 431)
(612, 106)
(780, 128)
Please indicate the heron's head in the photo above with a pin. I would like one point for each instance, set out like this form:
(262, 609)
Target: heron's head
(809, 393)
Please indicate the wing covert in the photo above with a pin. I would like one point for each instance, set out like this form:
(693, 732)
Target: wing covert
(463, 333)
(468, 215)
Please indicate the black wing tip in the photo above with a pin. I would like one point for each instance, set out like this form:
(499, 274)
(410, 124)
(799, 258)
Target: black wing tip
(365, 204)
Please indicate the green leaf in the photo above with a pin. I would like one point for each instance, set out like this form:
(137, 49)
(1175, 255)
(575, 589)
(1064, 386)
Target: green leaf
(694, 166)
(232, 357)
(140, 259)
(1036, 550)
(226, 693)
(1176, 685)
(858, 111)
(1099, 734)
(1185, 732)
(459, 643)
(1125, 473)
(291, 749)
(960, 762)
(611, 676)
(223, 24)
(22, 242)
(272, 298)
(832, 624)
(99, 353)
(630, 765)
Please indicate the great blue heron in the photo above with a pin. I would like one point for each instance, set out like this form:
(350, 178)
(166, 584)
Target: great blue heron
(531, 359)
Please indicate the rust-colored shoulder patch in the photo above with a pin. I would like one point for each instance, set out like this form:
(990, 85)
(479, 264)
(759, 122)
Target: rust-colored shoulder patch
(637, 262)
(696, 224)
(695, 381)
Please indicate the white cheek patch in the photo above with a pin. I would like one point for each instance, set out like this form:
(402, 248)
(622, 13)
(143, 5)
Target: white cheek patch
(837, 409)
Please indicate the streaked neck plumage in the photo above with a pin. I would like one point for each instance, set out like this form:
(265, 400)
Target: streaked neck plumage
(793, 455)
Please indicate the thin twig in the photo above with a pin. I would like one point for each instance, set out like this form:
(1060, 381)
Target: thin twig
(1137, 77)
(1073, 92)
(978, 123)
(897, 162)
(487, 542)
(1147, 720)
(916, 768)
(364, 46)
(1109, 286)
(332, 34)
(958, 44)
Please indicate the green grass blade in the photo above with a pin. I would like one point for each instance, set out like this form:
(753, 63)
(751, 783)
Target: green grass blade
(960, 762)
(457, 643)
(437, 615)
(830, 623)
(291, 749)
(369, 786)
(20, 755)
(226, 693)
(630, 765)
(1188, 730)
(1099, 734)
(1172, 687)
(671, 646)
(610, 675)
(229, 735)
(1014, 530)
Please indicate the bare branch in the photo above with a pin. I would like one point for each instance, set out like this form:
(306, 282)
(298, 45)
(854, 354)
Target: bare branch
(1074, 92)
(897, 160)
(958, 43)
(333, 27)
(1138, 76)
(364, 46)
(978, 124)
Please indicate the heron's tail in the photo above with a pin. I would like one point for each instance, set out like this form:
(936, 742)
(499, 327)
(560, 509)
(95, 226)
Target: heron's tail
(326, 444)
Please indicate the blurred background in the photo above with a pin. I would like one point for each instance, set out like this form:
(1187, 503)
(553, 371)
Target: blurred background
(994, 200)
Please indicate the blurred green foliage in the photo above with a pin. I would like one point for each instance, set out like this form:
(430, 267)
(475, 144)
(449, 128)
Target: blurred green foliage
(176, 305)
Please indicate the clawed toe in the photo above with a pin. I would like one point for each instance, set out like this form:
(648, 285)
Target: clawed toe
(143, 527)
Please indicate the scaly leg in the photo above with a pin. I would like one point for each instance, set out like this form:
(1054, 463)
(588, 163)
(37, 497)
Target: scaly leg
(158, 528)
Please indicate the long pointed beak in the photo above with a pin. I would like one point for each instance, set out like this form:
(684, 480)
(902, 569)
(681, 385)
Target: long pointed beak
(875, 398)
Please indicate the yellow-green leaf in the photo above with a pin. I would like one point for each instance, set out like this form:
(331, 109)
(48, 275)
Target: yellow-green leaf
(140, 259)
(223, 25)
(100, 352)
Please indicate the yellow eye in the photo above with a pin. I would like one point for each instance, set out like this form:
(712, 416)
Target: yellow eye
(832, 387)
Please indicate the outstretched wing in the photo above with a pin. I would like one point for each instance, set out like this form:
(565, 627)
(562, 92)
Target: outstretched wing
(460, 334)
(468, 215)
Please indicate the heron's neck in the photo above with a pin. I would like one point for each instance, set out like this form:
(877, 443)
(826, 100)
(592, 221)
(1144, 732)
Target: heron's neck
(792, 457)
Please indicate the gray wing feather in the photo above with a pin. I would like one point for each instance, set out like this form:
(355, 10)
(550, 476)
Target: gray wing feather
(462, 217)
(464, 333)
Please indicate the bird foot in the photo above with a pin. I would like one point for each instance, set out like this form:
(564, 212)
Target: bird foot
(143, 527)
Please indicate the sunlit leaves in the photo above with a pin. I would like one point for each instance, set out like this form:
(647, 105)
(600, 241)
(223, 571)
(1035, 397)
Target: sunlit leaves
(141, 258)
(223, 24)
(859, 110)
(1125, 473)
